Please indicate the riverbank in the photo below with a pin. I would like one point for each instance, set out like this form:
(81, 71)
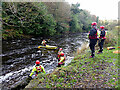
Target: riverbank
(6, 37)
(83, 72)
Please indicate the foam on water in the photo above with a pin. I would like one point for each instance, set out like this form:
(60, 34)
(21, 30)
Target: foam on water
(3, 78)
(69, 59)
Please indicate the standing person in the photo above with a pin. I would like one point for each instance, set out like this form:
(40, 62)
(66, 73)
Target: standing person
(101, 39)
(93, 36)
(43, 43)
(37, 69)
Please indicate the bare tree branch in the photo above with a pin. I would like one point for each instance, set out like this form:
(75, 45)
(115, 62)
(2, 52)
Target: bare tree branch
(16, 15)
(8, 24)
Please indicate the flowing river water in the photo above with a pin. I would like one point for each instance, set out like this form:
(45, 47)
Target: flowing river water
(19, 56)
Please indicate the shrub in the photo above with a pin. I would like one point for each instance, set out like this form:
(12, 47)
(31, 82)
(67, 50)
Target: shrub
(112, 37)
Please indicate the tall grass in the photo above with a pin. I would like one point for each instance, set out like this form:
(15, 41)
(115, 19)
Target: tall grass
(82, 48)
(112, 37)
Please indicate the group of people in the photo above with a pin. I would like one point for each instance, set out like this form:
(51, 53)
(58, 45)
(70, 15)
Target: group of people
(95, 35)
(40, 69)
(61, 57)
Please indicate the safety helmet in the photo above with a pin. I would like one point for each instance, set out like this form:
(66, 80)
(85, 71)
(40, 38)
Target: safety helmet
(94, 24)
(37, 62)
(43, 40)
(62, 54)
(102, 27)
(60, 49)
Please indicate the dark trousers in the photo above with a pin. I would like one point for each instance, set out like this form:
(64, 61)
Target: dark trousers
(92, 46)
(100, 44)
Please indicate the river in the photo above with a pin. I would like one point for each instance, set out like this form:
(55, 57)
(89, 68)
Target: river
(19, 56)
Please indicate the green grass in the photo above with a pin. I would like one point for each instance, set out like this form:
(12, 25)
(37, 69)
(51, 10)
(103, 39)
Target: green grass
(99, 72)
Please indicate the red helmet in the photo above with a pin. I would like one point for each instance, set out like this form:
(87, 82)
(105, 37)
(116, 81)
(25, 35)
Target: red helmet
(62, 54)
(94, 23)
(60, 49)
(37, 62)
(43, 40)
(102, 27)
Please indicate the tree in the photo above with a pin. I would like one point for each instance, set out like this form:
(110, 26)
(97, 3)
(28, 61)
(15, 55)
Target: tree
(61, 13)
(28, 18)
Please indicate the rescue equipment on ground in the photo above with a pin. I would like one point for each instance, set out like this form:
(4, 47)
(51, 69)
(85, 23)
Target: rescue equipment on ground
(110, 48)
(117, 51)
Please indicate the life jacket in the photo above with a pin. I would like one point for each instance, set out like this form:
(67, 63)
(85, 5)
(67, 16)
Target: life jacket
(59, 52)
(44, 43)
(39, 70)
(93, 34)
(102, 34)
(63, 60)
(60, 63)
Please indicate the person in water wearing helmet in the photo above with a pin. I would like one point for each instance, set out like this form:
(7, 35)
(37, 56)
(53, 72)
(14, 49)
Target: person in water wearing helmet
(59, 52)
(43, 43)
(102, 34)
(37, 69)
(93, 37)
(61, 59)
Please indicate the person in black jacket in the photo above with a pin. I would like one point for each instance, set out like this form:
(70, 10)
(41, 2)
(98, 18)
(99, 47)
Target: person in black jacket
(93, 37)
(102, 38)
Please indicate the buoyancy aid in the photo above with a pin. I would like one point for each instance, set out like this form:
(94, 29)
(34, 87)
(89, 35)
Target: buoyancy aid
(59, 52)
(61, 60)
(102, 36)
(44, 43)
(39, 69)
(95, 34)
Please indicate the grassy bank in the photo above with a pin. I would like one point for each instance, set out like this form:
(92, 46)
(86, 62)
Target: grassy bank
(84, 72)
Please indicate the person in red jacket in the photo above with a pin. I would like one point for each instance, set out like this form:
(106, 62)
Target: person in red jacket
(59, 52)
(93, 37)
(61, 59)
(101, 39)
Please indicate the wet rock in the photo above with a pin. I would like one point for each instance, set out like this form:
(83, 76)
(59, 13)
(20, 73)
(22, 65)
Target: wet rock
(33, 39)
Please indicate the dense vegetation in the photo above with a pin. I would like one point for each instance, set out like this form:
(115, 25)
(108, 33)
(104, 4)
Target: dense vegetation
(44, 19)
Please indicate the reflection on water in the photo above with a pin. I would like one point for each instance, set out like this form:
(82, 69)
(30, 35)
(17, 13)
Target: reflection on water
(19, 56)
